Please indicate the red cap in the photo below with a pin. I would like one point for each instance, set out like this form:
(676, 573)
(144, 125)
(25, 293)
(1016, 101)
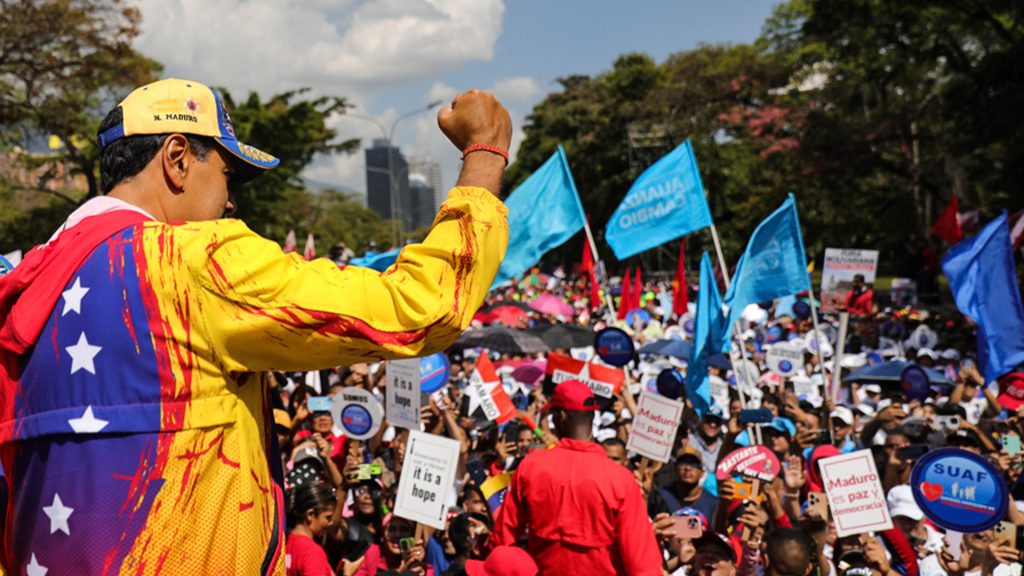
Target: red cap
(1011, 390)
(504, 561)
(572, 395)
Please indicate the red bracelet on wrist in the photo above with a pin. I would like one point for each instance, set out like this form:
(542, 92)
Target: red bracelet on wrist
(485, 148)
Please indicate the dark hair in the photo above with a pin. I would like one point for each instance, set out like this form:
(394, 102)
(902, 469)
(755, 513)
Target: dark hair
(790, 551)
(315, 495)
(613, 441)
(459, 531)
(711, 550)
(123, 159)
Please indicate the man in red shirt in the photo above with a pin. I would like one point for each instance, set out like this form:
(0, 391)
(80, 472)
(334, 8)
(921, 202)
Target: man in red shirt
(860, 298)
(583, 512)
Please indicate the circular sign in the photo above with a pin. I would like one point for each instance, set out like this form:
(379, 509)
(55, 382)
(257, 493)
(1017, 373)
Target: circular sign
(5, 266)
(358, 412)
(689, 326)
(914, 382)
(434, 370)
(893, 330)
(670, 383)
(959, 490)
(801, 310)
(614, 346)
(785, 366)
(638, 316)
(924, 337)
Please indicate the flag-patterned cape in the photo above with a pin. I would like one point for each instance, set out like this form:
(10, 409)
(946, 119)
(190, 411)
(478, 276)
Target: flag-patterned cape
(134, 413)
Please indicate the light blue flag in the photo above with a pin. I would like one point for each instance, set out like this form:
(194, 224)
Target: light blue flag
(543, 212)
(773, 265)
(711, 334)
(667, 201)
(379, 261)
(984, 281)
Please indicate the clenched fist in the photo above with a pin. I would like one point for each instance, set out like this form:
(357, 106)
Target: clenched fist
(476, 117)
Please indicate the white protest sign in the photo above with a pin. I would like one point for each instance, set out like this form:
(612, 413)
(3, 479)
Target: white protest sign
(357, 411)
(804, 386)
(841, 265)
(402, 398)
(428, 474)
(720, 394)
(654, 428)
(785, 359)
(855, 493)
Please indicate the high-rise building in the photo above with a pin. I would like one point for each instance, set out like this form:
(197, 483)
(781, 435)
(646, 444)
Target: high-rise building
(378, 185)
(426, 191)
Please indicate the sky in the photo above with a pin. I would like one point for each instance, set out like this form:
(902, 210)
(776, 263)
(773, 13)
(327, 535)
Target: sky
(390, 57)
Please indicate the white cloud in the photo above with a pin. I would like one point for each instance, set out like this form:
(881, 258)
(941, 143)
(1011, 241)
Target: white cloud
(440, 91)
(517, 89)
(336, 46)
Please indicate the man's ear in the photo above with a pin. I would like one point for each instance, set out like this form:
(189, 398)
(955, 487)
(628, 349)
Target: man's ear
(176, 160)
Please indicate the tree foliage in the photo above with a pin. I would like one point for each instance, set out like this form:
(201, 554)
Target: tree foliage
(874, 113)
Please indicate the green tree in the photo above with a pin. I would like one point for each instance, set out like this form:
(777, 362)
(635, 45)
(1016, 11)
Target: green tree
(61, 63)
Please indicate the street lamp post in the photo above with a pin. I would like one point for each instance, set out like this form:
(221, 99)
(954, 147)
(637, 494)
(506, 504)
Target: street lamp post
(389, 136)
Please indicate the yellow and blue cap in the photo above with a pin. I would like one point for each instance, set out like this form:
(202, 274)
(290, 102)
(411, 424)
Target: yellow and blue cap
(174, 106)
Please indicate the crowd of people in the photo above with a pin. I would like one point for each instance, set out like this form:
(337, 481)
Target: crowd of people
(776, 532)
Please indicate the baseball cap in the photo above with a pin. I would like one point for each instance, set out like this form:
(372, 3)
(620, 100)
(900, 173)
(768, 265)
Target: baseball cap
(950, 354)
(175, 106)
(503, 561)
(923, 352)
(964, 438)
(1011, 390)
(572, 395)
(689, 454)
(282, 419)
(901, 503)
(842, 413)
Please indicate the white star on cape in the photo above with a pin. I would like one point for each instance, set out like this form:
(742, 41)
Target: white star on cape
(34, 569)
(59, 514)
(73, 298)
(87, 423)
(82, 355)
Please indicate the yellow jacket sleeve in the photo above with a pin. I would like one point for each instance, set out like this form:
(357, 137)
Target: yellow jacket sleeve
(265, 310)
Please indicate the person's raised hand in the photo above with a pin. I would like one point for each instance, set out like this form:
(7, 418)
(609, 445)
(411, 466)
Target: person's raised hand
(954, 567)
(794, 476)
(663, 526)
(1004, 554)
(874, 552)
(476, 117)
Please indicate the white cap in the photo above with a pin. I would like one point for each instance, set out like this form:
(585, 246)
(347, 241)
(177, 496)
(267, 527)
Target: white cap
(843, 413)
(865, 409)
(872, 388)
(901, 503)
(950, 354)
(927, 352)
(854, 361)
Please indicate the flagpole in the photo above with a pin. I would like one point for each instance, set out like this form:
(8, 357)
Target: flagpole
(735, 330)
(599, 264)
(817, 338)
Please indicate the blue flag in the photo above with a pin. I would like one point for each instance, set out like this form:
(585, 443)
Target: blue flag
(667, 201)
(773, 265)
(984, 282)
(710, 337)
(543, 212)
(379, 261)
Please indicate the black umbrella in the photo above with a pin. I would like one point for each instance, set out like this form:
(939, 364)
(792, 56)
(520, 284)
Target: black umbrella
(564, 335)
(502, 339)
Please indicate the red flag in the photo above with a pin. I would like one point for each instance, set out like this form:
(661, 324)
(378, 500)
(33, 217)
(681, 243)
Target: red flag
(680, 292)
(638, 291)
(290, 245)
(947, 226)
(603, 381)
(310, 250)
(486, 391)
(624, 299)
(588, 268)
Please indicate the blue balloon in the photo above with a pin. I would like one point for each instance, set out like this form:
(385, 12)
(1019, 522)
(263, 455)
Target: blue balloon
(670, 383)
(434, 370)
